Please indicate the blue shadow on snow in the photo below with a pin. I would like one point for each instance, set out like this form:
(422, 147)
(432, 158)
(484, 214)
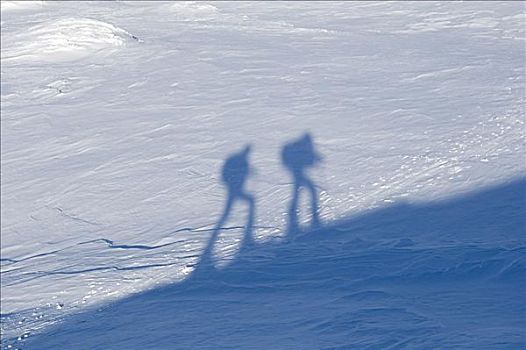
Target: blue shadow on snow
(444, 274)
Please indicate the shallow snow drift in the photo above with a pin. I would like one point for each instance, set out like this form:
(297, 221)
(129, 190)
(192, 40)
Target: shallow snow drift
(66, 40)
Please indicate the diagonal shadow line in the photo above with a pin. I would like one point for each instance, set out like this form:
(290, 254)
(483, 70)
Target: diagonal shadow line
(479, 238)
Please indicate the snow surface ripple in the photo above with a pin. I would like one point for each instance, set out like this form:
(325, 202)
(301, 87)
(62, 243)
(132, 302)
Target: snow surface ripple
(117, 117)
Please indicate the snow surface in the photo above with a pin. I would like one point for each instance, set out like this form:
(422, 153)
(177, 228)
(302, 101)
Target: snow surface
(118, 116)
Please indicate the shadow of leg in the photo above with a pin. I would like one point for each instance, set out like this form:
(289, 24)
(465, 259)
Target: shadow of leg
(206, 257)
(293, 226)
(314, 204)
(248, 239)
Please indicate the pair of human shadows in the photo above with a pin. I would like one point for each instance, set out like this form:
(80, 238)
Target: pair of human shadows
(297, 156)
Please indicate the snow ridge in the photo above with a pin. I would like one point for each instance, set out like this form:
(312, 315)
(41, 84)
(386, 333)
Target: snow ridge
(67, 39)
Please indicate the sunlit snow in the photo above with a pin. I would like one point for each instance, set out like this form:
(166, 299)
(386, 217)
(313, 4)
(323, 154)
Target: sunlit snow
(117, 118)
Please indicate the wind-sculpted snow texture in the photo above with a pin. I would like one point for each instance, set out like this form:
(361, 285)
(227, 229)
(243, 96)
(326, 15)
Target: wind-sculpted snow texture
(118, 121)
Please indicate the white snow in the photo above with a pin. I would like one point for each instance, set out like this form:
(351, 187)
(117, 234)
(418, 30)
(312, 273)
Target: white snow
(117, 118)
(12, 6)
(65, 40)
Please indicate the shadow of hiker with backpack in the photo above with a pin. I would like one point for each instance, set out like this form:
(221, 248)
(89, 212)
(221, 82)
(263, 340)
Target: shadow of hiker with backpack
(297, 156)
(234, 174)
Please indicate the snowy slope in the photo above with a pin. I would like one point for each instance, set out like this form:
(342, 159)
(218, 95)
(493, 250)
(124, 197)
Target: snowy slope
(117, 118)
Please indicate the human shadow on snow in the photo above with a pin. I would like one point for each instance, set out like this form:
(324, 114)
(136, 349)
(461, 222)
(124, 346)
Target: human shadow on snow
(234, 174)
(298, 156)
(405, 275)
